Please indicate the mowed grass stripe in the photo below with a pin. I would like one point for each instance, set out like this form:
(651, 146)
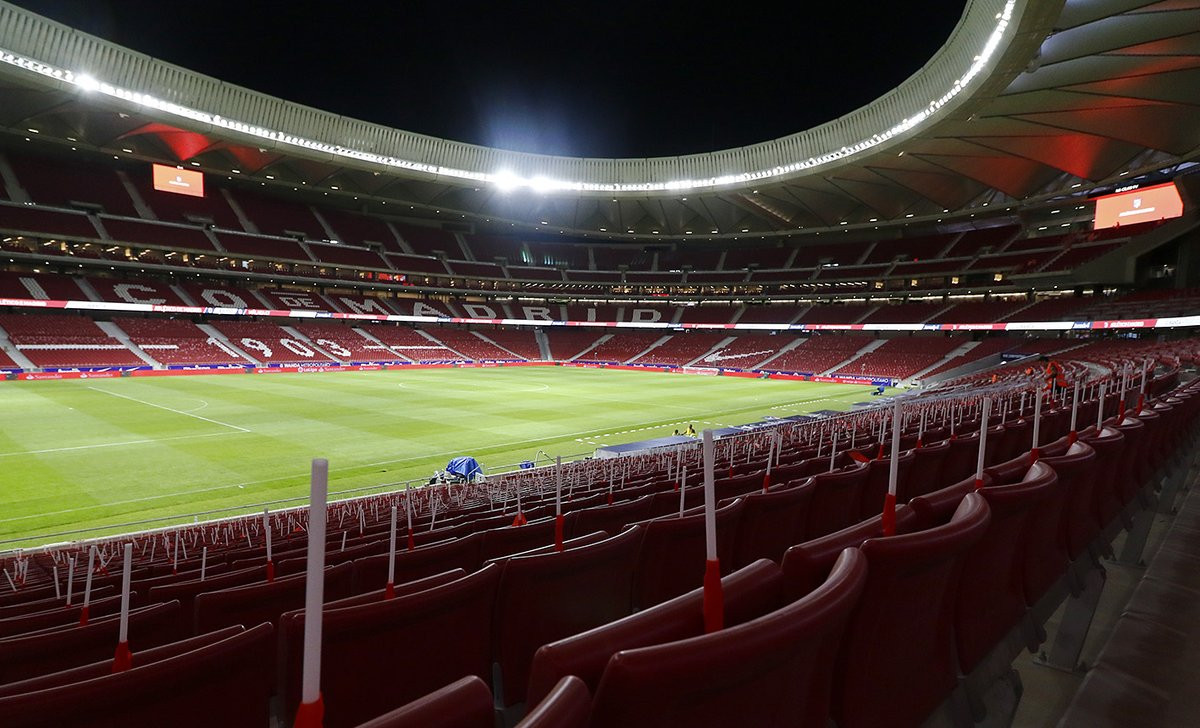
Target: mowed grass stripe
(375, 427)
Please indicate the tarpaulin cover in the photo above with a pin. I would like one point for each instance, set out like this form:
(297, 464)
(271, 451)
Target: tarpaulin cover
(464, 466)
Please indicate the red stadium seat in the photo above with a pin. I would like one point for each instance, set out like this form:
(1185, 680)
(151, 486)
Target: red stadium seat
(508, 539)
(264, 602)
(770, 671)
(447, 630)
(370, 572)
(771, 522)
(875, 489)
(897, 660)
(40, 653)
(548, 597)
(835, 502)
(105, 667)
(926, 473)
(609, 519)
(749, 592)
(225, 683)
(991, 594)
(567, 706)
(672, 555)
(464, 703)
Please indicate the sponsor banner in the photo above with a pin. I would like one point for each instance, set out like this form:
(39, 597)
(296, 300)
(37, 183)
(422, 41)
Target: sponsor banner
(838, 379)
(790, 377)
(1179, 321)
(1130, 324)
(186, 372)
(706, 371)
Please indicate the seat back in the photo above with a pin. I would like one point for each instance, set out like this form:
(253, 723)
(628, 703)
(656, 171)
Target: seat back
(30, 655)
(748, 592)
(807, 564)
(961, 459)
(60, 616)
(771, 522)
(610, 519)
(671, 560)
(264, 602)
(991, 597)
(464, 703)
(835, 500)
(897, 659)
(926, 473)
(878, 476)
(1109, 444)
(770, 671)
(464, 552)
(510, 539)
(569, 705)
(104, 667)
(447, 630)
(539, 601)
(1077, 524)
(185, 591)
(225, 683)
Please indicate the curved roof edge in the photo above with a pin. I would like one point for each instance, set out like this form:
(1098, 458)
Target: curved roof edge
(96, 66)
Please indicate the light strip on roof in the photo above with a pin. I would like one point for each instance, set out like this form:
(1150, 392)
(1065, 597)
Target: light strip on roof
(506, 180)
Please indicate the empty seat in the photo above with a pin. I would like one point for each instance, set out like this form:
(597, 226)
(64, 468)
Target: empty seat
(771, 522)
(771, 671)
(509, 539)
(991, 594)
(748, 592)
(370, 572)
(105, 666)
(264, 602)
(464, 703)
(926, 473)
(225, 683)
(609, 519)
(567, 706)
(26, 656)
(835, 500)
(897, 659)
(550, 596)
(875, 489)
(671, 560)
(446, 630)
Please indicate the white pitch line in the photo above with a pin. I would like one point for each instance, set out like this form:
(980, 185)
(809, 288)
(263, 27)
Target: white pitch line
(113, 444)
(169, 409)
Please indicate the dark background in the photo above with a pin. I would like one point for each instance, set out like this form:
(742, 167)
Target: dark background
(602, 79)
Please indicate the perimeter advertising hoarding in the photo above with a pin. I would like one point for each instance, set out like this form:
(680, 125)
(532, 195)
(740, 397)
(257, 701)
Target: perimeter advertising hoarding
(1145, 204)
(178, 181)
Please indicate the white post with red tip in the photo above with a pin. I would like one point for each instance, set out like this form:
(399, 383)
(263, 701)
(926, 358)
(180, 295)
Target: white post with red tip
(714, 601)
(1037, 425)
(389, 591)
(123, 658)
(889, 502)
(1100, 407)
(87, 587)
(558, 515)
(267, 531)
(408, 507)
(682, 489)
(983, 432)
(1073, 434)
(311, 712)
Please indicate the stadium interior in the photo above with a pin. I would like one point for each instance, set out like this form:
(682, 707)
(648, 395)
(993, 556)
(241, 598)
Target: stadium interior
(1007, 538)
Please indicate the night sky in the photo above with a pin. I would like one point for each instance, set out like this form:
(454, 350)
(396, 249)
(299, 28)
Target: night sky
(603, 79)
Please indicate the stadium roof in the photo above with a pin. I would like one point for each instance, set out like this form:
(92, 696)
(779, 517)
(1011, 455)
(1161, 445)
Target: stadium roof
(1027, 101)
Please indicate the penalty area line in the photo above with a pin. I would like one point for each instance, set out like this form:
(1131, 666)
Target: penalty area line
(170, 409)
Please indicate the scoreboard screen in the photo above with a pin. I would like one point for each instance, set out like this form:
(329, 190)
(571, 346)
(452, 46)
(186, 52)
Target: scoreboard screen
(178, 181)
(1145, 204)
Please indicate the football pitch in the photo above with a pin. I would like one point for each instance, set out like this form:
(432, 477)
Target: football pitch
(108, 453)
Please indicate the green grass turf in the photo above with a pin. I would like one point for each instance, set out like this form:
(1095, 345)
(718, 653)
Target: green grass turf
(80, 454)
